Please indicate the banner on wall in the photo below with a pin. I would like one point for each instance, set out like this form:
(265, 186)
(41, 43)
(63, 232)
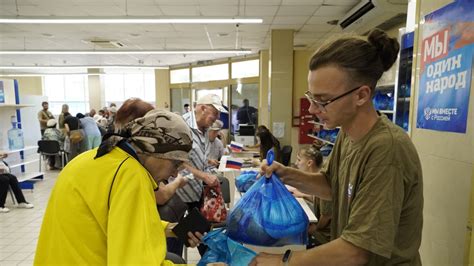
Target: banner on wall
(446, 66)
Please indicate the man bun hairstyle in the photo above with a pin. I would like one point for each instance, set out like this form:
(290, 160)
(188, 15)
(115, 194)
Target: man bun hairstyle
(387, 48)
(364, 60)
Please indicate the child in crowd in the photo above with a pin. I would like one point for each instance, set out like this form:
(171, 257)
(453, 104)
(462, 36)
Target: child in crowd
(311, 160)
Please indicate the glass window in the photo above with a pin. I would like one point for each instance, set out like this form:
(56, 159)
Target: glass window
(206, 73)
(179, 75)
(245, 69)
(67, 89)
(203, 92)
(180, 97)
(113, 87)
(241, 113)
(120, 87)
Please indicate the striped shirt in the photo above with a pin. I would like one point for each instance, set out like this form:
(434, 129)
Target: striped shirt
(216, 149)
(192, 191)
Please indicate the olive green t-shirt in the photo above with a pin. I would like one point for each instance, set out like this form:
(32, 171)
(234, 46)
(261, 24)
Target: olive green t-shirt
(323, 207)
(377, 192)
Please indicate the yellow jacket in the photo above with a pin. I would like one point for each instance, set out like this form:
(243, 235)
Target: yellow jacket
(102, 211)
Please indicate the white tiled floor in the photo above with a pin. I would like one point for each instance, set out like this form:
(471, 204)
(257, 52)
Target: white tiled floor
(19, 228)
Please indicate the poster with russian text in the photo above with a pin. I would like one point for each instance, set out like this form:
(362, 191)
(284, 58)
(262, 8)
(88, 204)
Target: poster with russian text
(446, 64)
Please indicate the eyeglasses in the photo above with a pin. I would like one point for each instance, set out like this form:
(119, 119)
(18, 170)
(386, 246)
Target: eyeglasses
(322, 105)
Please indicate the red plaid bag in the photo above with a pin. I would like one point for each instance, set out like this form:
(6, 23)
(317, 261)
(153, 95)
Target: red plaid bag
(213, 207)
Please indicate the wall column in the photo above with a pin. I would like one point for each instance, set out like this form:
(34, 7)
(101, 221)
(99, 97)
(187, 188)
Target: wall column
(96, 97)
(263, 113)
(281, 83)
(162, 84)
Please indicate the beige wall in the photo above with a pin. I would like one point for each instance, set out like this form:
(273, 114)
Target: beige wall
(469, 248)
(29, 85)
(162, 83)
(447, 161)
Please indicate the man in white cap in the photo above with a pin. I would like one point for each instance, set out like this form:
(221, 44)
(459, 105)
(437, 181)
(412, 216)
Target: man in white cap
(197, 171)
(216, 148)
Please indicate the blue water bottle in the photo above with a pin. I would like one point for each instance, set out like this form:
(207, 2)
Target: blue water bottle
(15, 136)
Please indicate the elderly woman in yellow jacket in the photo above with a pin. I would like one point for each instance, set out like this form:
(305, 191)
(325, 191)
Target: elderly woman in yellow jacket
(102, 209)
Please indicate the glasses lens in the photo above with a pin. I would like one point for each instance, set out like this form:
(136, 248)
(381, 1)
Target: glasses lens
(311, 99)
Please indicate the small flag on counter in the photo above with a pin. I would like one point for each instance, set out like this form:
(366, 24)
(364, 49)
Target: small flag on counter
(236, 147)
(233, 163)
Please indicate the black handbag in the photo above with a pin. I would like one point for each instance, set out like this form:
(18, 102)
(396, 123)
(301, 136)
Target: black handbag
(173, 210)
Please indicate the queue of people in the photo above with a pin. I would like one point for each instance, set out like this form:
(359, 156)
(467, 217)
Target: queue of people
(75, 133)
(367, 196)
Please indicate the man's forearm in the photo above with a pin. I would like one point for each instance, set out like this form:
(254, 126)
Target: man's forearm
(336, 252)
(196, 172)
(309, 183)
(165, 192)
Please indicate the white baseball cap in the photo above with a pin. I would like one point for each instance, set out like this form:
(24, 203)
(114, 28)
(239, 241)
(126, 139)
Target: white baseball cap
(214, 100)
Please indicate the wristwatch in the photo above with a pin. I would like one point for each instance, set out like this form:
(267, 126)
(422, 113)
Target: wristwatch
(286, 257)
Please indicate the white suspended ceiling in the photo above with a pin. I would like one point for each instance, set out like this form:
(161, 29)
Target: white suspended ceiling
(307, 17)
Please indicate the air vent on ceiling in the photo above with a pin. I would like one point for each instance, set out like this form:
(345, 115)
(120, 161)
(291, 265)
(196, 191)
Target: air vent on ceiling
(372, 13)
(299, 46)
(357, 14)
(106, 44)
(203, 62)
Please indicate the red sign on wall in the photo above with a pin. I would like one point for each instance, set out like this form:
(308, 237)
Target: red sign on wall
(306, 127)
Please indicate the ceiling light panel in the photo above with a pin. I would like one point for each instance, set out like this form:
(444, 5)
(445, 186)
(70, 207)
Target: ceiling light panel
(127, 20)
(124, 52)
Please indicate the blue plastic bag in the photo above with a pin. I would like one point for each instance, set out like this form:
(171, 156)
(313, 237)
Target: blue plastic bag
(268, 215)
(245, 180)
(223, 249)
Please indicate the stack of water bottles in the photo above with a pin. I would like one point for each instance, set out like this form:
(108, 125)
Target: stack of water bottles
(15, 136)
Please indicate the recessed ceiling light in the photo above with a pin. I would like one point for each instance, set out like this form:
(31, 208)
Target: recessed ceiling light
(126, 20)
(80, 67)
(121, 52)
(49, 35)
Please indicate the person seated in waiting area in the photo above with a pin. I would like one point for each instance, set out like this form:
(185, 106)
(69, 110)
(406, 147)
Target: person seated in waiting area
(52, 133)
(102, 210)
(311, 160)
(8, 180)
